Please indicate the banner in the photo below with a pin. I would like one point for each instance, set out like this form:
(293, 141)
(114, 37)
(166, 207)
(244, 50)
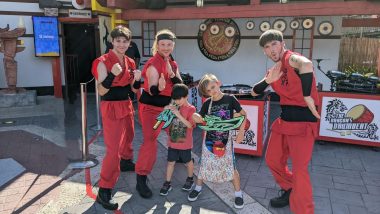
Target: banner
(349, 118)
(46, 38)
(251, 129)
(105, 31)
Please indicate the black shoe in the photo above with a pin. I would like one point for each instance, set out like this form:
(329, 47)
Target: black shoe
(193, 196)
(166, 188)
(282, 200)
(104, 198)
(188, 184)
(142, 187)
(127, 165)
(239, 202)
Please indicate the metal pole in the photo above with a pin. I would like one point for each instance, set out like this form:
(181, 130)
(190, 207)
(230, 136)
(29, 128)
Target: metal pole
(85, 163)
(83, 99)
(99, 125)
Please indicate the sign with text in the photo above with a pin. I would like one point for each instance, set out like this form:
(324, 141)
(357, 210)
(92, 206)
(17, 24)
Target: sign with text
(80, 13)
(350, 118)
(46, 38)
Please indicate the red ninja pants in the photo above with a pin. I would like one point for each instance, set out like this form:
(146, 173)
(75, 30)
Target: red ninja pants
(293, 140)
(148, 150)
(118, 132)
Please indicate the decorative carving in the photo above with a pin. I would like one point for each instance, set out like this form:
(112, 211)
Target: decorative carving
(9, 46)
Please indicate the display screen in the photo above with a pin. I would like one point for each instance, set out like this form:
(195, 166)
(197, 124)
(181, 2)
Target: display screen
(46, 37)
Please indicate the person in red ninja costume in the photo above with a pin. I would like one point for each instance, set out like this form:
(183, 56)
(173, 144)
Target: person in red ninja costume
(160, 73)
(116, 73)
(293, 134)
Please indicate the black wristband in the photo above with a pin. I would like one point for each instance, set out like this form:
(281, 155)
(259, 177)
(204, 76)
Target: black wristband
(154, 90)
(306, 81)
(137, 84)
(107, 82)
(176, 80)
(260, 87)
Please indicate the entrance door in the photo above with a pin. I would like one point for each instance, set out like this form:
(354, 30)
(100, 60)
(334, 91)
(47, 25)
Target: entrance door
(80, 51)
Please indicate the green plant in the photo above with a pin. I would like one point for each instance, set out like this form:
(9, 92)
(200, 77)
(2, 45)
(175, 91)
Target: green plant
(361, 69)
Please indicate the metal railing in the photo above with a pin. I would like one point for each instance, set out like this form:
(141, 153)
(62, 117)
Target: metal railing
(86, 162)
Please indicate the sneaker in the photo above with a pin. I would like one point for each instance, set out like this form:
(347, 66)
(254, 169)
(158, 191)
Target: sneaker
(188, 184)
(282, 200)
(239, 203)
(193, 196)
(165, 188)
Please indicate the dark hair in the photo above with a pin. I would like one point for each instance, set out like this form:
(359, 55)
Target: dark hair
(179, 91)
(270, 35)
(121, 31)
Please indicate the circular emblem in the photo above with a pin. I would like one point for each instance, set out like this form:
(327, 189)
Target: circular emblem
(220, 39)
(202, 27)
(307, 23)
(294, 24)
(325, 28)
(279, 25)
(250, 25)
(264, 26)
(214, 29)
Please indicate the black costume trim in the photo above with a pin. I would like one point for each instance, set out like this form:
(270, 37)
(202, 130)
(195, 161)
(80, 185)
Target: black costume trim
(260, 87)
(306, 81)
(107, 82)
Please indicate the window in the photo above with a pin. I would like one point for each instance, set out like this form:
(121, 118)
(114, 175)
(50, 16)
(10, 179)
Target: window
(303, 40)
(148, 33)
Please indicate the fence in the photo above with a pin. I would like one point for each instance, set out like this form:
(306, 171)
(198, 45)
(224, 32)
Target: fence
(360, 54)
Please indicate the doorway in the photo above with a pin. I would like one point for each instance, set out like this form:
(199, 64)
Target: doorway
(79, 53)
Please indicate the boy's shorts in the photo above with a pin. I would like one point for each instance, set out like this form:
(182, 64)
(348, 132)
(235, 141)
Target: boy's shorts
(179, 155)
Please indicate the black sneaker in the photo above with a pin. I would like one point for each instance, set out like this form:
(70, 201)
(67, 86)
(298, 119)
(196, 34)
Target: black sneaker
(127, 165)
(165, 188)
(188, 184)
(193, 196)
(282, 200)
(239, 202)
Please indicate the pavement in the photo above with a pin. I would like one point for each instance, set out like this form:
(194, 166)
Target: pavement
(38, 143)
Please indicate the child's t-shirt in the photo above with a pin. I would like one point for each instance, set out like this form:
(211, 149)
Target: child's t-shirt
(181, 137)
(223, 108)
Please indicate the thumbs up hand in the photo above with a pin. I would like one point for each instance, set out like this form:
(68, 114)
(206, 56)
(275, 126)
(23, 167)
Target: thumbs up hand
(161, 82)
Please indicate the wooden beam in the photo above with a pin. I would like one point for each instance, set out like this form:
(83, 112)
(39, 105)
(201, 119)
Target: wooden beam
(78, 20)
(255, 2)
(56, 69)
(254, 11)
(365, 22)
(124, 4)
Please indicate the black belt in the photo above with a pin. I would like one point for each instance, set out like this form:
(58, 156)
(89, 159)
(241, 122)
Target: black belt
(118, 93)
(297, 114)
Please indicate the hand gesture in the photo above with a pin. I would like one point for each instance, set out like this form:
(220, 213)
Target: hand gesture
(274, 73)
(116, 69)
(137, 75)
(169, 68)
(161, 82)
(174, 110)
(310, 103)
(239, 137)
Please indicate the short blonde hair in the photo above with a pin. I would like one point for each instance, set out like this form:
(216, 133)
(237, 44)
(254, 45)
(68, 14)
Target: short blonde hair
(155, 43)
(203, 83)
